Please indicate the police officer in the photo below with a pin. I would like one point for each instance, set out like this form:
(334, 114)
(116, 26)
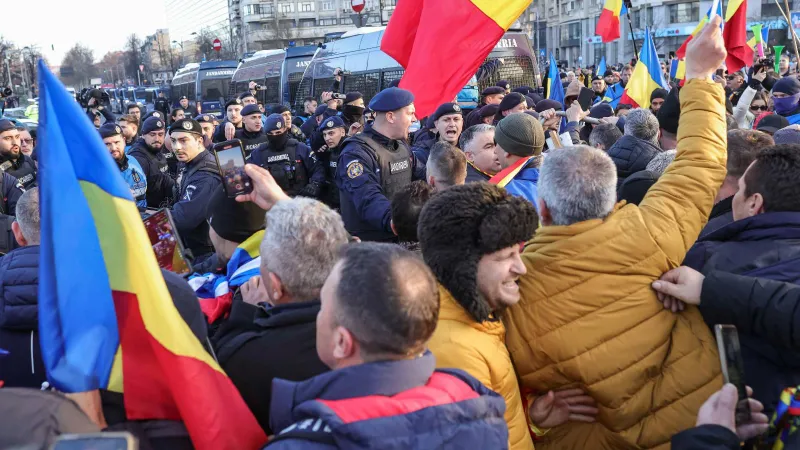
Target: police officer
(376, 164)
(161, 104)
(333, 131)
(12, 160)
(294, 132)
(131, 171)
(251, 134)
(147, 151)
(188, 109)
(447, 124)
(233, 120)
(292, 164)
(198, 180)
(206, 122)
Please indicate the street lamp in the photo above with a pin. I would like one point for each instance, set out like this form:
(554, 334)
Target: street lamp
(194, 33)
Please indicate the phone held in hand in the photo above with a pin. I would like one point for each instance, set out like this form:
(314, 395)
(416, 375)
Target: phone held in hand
(97, 441)
(585, 98)
(730, 356)
(230, 161)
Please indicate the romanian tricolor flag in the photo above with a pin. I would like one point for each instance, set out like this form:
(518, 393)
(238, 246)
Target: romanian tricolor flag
(735, 36)
(505, 176)
(106, 318)
(681, 53)
(441, 43)
(608, 24)
(677, 69)
(646, 76)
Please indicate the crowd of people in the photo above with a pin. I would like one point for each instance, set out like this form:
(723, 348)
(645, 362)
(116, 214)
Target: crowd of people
(475, 284)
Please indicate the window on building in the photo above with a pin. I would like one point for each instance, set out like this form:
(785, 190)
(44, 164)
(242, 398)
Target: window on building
(327, 22)
(287, 8)
(684, 12)
(770, 10)
(306, 7)
(389, 3)
(346, 22)
(326, 6)
(307, 23)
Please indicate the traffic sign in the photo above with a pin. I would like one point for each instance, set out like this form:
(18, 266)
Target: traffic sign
(358, 5)
(217, 45)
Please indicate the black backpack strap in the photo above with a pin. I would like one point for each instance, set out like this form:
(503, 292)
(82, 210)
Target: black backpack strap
(319, 437)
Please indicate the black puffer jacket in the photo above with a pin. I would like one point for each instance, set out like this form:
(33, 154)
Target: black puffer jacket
(630, 155)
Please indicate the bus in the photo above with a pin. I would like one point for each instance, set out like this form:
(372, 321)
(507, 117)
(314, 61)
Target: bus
(369, 70)
(205, 85)
(278, 72)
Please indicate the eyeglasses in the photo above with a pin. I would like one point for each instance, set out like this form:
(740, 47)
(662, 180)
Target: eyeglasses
(27, 141)
(758, 108)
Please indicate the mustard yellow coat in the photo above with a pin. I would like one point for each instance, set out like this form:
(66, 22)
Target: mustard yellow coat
(589, 318)
(479, 349)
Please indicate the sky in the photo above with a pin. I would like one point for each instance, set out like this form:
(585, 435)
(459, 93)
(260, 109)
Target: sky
(100, 25)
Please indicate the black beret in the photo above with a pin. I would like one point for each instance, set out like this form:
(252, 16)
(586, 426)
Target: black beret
(320, 110)
(511, 100)
(157, 114)
(493, 90)
(670, 112)
(524, 90)
(608, 73)
(183, 97)
(250, 109)
(549, 104)
(489, 110)
(391, 99)
(445, 109)
(233, 101)
(504, 84)
(597, 77)
(234, 221)
(279, 109)
(186, 125)
(601, 110)
(6, 125)
(530, 101)
(331, 123)
(245, 95)
(152, 124)
(352, 96)
(109, 129)
(204, 118)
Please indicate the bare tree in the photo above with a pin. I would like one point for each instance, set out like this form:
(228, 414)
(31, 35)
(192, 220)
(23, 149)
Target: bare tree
(77, 67)
(6, 47)
(133, 54)
(205, 44)
(165, 56)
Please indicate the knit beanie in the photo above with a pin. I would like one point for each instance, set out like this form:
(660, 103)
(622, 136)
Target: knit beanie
(658, 93)
(520, 135)
(460, 225)
(787, 135)
(787, 85)
(670, 112)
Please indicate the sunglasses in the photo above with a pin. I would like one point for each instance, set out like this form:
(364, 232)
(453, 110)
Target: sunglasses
(758, 108)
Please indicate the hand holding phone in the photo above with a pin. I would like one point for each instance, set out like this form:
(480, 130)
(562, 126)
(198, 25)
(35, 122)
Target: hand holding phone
(730, 355)
(585, 98)
(230, 161)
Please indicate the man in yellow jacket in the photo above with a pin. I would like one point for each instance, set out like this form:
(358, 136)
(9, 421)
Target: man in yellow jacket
(470, 238)
(588, 317)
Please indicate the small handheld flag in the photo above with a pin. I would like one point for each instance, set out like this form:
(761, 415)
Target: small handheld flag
(715, 9)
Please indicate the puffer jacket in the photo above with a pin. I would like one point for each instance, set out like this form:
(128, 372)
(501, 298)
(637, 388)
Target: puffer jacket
(631, 154)
(588, 317)
(19, 319)
(479, 349)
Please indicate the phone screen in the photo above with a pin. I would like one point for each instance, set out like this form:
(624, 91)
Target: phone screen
(93, 442)
(585, 98)
(730, 355)
(230, 159)
(166, 243)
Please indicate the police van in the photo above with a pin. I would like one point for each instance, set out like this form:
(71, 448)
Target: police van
(278, 72)
(205, 85)
(369, 70)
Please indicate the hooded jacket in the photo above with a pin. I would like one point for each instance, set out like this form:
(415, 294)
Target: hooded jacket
(479, 348)
(524, 183)
(588, 316)
(631, 154)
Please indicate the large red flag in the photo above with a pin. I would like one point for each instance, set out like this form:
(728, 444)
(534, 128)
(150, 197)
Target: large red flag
(441, 43)
(735, 35)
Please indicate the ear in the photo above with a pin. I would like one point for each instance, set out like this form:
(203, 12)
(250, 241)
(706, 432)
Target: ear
(275, 289)
(18, 234)
(544, 213)
(470, 156)
(432, 181)
(345, 345)
(756, 204)
(394, 230)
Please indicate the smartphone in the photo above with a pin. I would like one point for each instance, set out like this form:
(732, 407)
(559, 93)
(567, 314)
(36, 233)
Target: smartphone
(230, 161)
(730, 356)
(166, 243)
(721, 73)
(585, 98)
(96, 441)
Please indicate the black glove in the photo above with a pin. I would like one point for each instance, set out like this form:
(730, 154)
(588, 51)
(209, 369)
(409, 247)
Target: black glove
(312, 190)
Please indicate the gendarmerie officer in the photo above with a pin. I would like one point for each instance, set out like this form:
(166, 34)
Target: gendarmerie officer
(375, 164)
(292, 164)
(188, 110)
(447, 125)
(147, 150)
(334, 132)
(252, 132)
(206, 122)
(198, 180)
(161, 104)
(12, 160)
(129, 167)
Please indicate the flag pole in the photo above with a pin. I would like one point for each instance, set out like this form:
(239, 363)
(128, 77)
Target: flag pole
(630, 25)
(789, 24)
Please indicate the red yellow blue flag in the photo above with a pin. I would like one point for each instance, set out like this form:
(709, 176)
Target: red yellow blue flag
(609, 21)
(646, 77)
(106, 318)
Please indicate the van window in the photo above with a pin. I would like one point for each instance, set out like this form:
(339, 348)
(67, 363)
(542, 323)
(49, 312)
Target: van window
(272, 90)
(356, 62)
(370, 40)
(350, 44)
(379, 60)
(321, 85)
(192, 91)
(389, 76)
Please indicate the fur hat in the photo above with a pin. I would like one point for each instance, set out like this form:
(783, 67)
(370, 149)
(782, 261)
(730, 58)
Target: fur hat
(462, 224)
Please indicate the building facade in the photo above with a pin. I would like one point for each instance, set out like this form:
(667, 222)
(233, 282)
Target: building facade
(571, 38)
(273, 24)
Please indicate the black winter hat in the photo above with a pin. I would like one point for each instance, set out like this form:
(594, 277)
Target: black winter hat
(658, 93)
(352, 96)
(462, 224)
(670, 112)
(232, 220)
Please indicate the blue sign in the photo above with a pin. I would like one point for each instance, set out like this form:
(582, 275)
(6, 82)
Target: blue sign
(542, 53)
(795, 19)
(291, 43)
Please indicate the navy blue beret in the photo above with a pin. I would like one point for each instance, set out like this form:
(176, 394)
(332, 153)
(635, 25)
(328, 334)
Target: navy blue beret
(391, 99)
(109, 129)
(6, 125)
(158, 114)
(152, 124)
(504, 84)
(250, 109)
(244, 95)
(445, 109)
(233, 101)
(274, 122)
(331, 123)
(186, 125)
(279, 109)
(493, 90)
(204, 118)
(320, 110)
